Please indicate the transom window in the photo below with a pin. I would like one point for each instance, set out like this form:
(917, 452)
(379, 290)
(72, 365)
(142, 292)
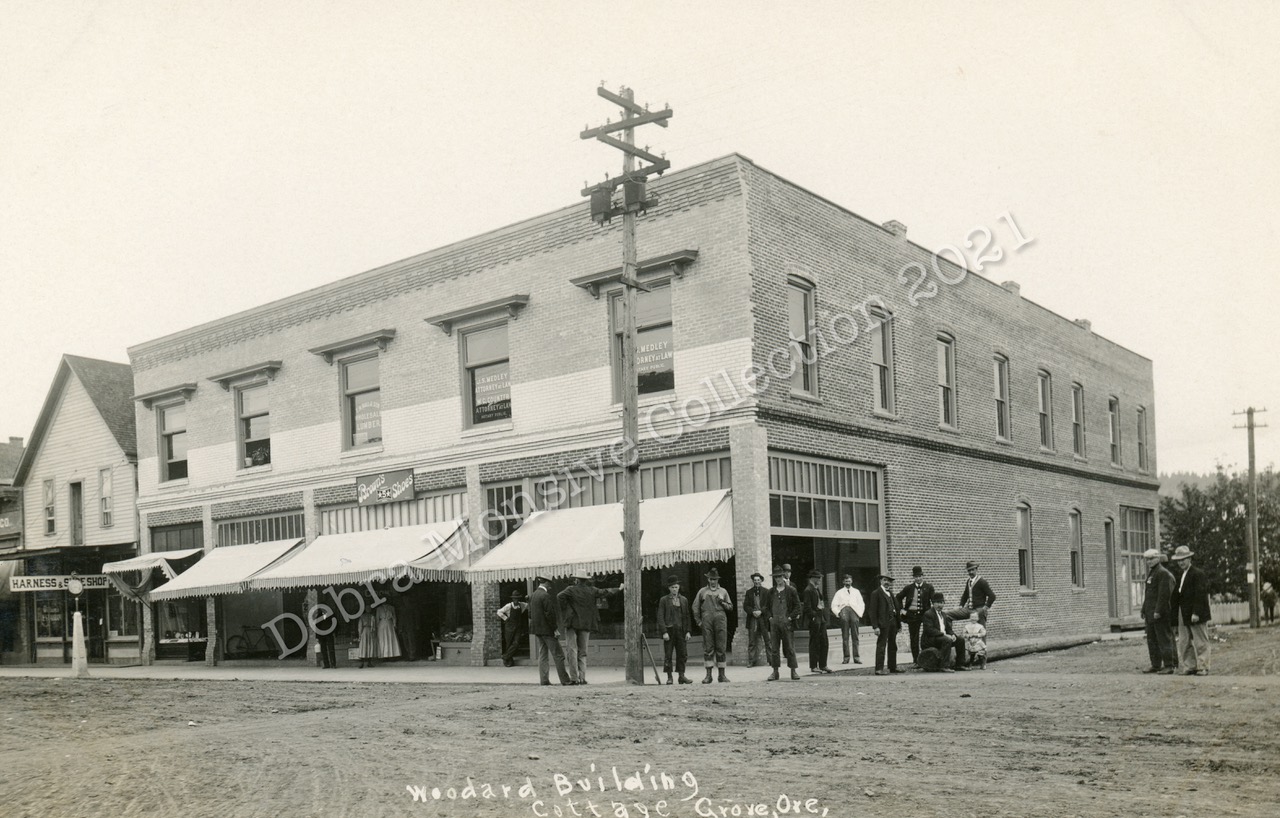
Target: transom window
(946, 380)
(655, 353)
(173, 441)
(1001, 385)
(1077, 419)
(485, 363)
(1044, 391)
(804, 363)
(361, 402)
(882, 361)
(254, 410)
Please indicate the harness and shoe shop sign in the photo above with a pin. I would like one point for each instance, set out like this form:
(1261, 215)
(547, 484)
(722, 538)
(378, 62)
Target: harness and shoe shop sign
(57, 583)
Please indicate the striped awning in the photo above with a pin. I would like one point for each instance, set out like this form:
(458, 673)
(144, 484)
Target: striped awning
(227, 570)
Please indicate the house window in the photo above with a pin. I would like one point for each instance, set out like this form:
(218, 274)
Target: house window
(1113, 422)
(1026, 576)
(254, 427)
(50, 508)
(486, 372)
(1077, 419)
(1044, 390)
(1002, 397)
(655, 354)
(946, 380)
(1142, 438)
(882, 361)
(361, 403)
(1077, 549)
(106, 499)
(804, 363)
(173, 442)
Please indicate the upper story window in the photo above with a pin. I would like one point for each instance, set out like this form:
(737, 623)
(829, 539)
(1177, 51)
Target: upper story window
(1001, 386)
(655, 353)
(1076, 531)
(361, 402)
(1077, 419)
(486, 371)
(173, 441)
(800, 312)
(1026, 557)
(50, 508)
(253, 411)
(106, 498)
(1044, 391)
(882, 361)
(1142, 438)
(946, 380)
(1113, 423)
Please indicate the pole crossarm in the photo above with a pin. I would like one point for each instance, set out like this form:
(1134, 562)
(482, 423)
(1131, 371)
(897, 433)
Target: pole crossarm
(631, 149)
(655, 117)
(613, 182)
(621, 101)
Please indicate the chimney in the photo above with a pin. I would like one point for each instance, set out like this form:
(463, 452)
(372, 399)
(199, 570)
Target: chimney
(1013, 287)
(15, 441)
(896, 227)
(1086, 323)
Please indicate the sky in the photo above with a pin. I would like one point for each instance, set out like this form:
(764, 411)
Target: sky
(163, 165)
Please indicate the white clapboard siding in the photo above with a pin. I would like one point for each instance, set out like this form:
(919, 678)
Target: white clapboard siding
(76, 446)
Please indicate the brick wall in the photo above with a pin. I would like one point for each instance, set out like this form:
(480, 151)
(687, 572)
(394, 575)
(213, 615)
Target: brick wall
(252, 506)
(174, 516)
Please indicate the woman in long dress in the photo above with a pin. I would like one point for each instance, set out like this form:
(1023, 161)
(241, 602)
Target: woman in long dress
(368, 638)
(388, 643)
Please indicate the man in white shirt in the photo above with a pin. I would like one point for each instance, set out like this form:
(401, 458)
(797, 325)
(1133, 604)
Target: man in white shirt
(848, 607)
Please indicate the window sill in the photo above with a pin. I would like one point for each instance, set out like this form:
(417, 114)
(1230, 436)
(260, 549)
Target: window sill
(124, 639)
(883, 415)
(1027, 592)
(1079, 458)
(1004, 441)
(659, 399)
(953, 430)
(1047, 450)
(251, 470)
(1078, 590)
(807, 397)
(480, 431)
(1117, 466)
(363, 451)
(173, 484)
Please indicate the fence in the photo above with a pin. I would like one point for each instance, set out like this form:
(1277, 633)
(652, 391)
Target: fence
(1226, 613)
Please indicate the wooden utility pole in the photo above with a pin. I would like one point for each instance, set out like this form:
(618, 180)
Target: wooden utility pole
(1255, 563)
(632, 182)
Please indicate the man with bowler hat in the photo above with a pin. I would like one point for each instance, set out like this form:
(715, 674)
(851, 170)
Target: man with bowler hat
(544, 621)
(1157, 614)
(515, 626)
(815, 611)
(914, 600)
(675, 622)
(940, 635)
(781, 607)
(977, 595)
(1190, 603)
(757, 631)
(711, 614)
(882, 613)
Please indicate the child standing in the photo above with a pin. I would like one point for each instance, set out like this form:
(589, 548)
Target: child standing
(975, 643)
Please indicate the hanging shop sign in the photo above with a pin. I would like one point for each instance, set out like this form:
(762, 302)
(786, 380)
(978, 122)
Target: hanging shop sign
(385, 487)
(58, 583)
(10, 522)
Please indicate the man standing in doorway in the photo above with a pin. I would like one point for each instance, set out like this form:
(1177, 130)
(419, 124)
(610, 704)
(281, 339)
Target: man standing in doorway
(1156, 613)
(815, 610)
(544, 621)
(914, 600)
(581, 617)
(781, 607)
(1191, 610)
(977, 595)
(711, 614)
(848, 607)
(882, 613)
(515, 626)
(757, 632)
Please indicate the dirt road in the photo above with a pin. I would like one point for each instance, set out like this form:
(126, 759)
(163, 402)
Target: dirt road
(1079, 732)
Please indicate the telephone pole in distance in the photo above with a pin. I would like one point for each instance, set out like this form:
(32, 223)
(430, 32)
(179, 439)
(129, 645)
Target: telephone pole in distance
(1255, 562)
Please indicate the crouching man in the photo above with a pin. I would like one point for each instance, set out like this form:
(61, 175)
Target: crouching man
(939, 635)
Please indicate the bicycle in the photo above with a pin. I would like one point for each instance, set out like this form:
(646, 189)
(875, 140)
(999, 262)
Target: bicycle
(254, 640)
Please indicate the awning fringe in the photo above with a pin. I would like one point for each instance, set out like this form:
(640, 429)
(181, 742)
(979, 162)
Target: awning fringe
(609, 566)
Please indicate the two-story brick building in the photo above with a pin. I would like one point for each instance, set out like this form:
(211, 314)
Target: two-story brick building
(863, 421)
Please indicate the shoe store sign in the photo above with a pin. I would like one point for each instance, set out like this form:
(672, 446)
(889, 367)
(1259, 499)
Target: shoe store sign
(385, 487)
(57, 583)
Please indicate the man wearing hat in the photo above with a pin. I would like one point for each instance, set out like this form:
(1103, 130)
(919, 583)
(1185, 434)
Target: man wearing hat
(581, 617)
(1190, 603)
(815, 611)
(675, 622)
(781, 607)
(711, 613)
(1157, 614)
(939, 635)
(515, 626)
(977, 595)
(882, 613)
(544, 621)
(913, 601)
(757, 631)
(849, 608)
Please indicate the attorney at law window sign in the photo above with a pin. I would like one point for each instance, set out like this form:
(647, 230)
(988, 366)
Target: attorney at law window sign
(385, 487)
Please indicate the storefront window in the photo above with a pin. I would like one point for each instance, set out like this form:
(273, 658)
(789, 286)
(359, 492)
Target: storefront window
(51, 615)
(123, 614)
(180, 619)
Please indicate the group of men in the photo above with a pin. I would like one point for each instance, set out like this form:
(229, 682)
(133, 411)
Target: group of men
(1176, 608)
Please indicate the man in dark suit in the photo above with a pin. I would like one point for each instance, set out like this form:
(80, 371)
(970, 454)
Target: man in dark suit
(913, 600)
(977, 595)
(781, 607)
(544, 623)
(1157, 613)
(939, 635)
(757, 630)
(815, 611)
(1190, 603)
(882, 613)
